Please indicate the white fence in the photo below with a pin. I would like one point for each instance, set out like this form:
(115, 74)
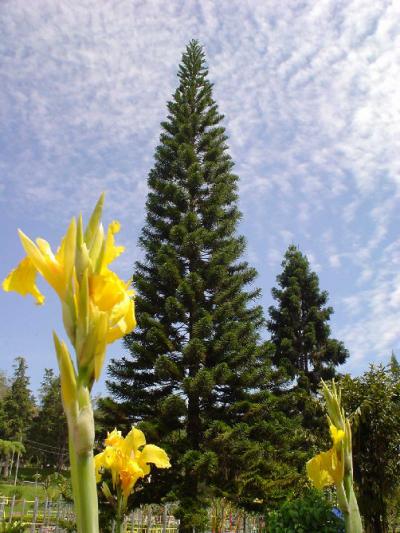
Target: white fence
(39, 515)
(57, 516)
(54, 516)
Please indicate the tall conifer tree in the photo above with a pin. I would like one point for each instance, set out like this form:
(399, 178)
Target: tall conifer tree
(196, 364)
(299, 325)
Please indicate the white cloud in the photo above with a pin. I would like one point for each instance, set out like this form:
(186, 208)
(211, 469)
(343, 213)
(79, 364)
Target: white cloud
(375, 310)
(334, 261)
(311, 97)
(286, 236)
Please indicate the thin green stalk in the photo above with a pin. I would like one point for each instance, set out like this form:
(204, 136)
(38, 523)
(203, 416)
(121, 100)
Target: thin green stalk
(74, 480)
(352, 519)
(89, 520)
(120, 512)
(348, 505)
(83, 477)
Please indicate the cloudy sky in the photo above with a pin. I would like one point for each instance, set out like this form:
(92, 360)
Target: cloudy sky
(311, 98)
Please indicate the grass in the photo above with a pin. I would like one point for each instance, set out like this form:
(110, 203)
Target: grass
(25, 496)
(26, 473)
(27, 492)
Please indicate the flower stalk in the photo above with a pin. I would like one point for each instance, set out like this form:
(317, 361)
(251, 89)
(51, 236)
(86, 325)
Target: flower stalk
(97, 309)
(335, 467)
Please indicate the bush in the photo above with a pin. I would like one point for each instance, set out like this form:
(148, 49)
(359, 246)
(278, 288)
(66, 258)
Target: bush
(310, 514)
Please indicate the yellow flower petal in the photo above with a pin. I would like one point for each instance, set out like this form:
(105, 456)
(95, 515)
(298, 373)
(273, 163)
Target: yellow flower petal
(154, 454)
(22, 280)
(317, 473)
(122, 318)
(129, 476)
(134, 440)
(336, 434)
(111, 251)
(45, 262)
(114, 438)
(124, 325)
(98, 465)
(106, 291)
(325, 469)
(101, 344)
(113, 296)
(66, 253)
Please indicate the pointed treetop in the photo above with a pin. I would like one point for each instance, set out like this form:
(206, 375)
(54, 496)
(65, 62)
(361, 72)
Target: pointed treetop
(193, 61)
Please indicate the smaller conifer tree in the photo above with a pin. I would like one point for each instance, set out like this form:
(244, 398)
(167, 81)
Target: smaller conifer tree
(18, 404)
(48, 435)
(299, 326)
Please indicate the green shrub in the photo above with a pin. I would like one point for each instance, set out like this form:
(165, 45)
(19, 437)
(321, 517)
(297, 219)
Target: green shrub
(310, 514)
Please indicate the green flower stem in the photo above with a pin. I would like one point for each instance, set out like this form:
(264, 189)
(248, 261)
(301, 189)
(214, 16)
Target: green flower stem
(348, 505)
(74, 480)
(83, 481)
(353, 522)
(120, 512)
(83, 478)
(87, 493)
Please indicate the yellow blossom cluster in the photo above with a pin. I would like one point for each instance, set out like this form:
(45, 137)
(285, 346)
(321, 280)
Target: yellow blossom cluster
(128, 459)
(97, 305)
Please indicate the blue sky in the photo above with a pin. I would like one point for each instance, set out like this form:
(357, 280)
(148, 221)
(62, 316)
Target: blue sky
(311, 99)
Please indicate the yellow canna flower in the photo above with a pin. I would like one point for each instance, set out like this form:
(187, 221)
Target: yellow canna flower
(128, 459)
(335, 467)
(98, 307)
(327, 468)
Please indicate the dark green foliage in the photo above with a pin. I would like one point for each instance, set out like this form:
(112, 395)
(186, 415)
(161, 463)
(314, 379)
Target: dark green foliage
(299, 325)
(310, 514)
(394, 367)
(48, 437)
(8, 449)
(195, 362)
(375, 399)
(18, 403)
(3, 385)
(262, 459)
(3, 393)
(3, 419)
